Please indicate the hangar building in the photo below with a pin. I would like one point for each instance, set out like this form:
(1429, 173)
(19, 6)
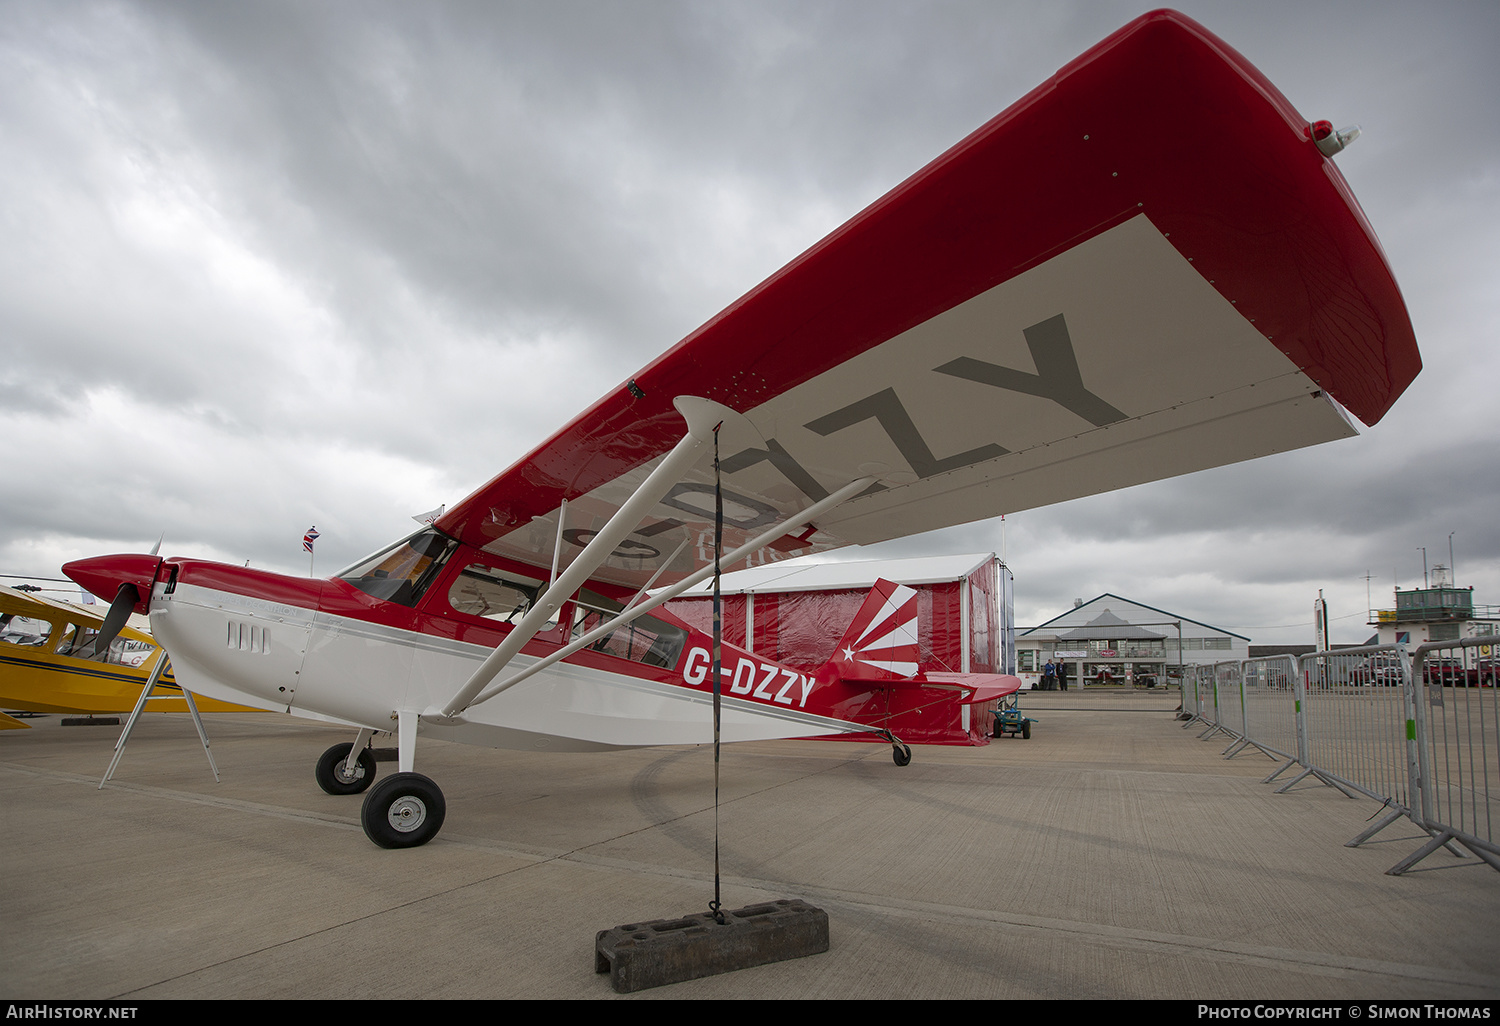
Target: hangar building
(1118, 639)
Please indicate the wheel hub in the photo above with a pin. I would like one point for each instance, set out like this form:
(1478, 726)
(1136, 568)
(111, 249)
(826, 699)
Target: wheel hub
(406, 813)
(348, 776)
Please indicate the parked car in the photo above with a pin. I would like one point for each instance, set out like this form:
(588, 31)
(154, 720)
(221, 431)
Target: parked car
(1448, 672)
(1377, 671)
(1451, 672)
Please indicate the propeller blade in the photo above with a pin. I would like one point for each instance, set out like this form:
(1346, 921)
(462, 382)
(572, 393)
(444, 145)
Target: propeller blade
(115, 619)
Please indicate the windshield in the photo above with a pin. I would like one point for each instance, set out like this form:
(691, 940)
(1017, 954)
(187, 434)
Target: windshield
(402, 572)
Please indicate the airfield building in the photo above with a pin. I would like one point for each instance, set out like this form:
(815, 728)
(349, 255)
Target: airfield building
(1438, 611)
(1119, 640)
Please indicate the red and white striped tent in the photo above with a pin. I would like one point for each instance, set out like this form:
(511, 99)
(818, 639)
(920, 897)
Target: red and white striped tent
(796, 612)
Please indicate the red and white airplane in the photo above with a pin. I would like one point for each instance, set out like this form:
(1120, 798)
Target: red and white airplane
(1147, 266)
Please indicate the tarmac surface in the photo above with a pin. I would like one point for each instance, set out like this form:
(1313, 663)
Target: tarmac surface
(1113, 855)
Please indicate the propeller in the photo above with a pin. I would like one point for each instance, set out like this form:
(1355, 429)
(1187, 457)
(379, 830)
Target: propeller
(119, 612)
(126, 599)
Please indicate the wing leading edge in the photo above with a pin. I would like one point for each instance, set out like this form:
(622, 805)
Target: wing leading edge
(1080, 296)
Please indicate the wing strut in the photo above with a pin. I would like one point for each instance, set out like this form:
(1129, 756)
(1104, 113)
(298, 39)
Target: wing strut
(562, 522)
(659, 571)
(817, 509)
(701, 416)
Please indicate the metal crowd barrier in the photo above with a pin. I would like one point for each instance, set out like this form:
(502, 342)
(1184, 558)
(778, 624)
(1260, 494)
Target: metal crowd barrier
(1355, 713)
(1229, 701)
(1192, 698)
(1457, 709)
(1418, 732)
(1201, 679)
(1270, 698)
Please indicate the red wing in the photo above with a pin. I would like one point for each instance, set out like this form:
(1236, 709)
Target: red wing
(1143, 268)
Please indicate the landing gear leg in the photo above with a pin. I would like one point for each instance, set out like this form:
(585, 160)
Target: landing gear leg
(405, 810)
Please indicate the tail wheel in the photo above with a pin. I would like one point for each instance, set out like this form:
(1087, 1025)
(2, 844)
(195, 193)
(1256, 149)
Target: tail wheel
(333, 777)
(403, 811)
(900, 755)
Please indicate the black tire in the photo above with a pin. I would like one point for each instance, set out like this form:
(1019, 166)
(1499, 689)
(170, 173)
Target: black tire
(404, 810)
(329, 771)
(901, 755)
(1026, 730)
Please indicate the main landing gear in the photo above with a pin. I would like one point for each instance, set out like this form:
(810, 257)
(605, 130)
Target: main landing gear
(403, 811)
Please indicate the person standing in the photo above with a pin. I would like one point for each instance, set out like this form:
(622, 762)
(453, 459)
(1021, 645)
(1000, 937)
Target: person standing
(1049, 676)
(1062, 675)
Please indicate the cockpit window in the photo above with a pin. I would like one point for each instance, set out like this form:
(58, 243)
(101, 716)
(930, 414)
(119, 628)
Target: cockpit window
(484, 591)
(402, 572)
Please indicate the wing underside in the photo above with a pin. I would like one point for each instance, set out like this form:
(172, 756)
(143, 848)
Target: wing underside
(1079, 297)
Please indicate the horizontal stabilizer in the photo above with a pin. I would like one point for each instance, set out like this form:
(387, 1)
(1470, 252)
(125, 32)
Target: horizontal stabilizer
(985, 687)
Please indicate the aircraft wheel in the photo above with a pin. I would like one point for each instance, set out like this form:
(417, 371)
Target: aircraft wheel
(901, 755)
(333, 778)
(403, 811)
(1026, 730)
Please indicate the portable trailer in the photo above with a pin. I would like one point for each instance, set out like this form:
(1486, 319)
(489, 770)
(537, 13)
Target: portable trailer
(1009, 720)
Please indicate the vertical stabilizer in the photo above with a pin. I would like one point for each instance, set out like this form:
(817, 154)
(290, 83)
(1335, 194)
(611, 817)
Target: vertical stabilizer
(881, 642)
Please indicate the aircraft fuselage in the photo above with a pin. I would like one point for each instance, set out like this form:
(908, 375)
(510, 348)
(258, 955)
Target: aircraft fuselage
(326, 650)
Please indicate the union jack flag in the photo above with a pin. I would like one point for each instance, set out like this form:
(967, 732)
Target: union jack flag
(308, 539)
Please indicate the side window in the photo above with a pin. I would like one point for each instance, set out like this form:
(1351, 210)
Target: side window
(22, 630)
(83, 643)
(643, 640)
(493, 594)
(77, 642)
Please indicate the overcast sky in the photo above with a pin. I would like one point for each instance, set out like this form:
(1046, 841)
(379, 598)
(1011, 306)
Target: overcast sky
(271, 265)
